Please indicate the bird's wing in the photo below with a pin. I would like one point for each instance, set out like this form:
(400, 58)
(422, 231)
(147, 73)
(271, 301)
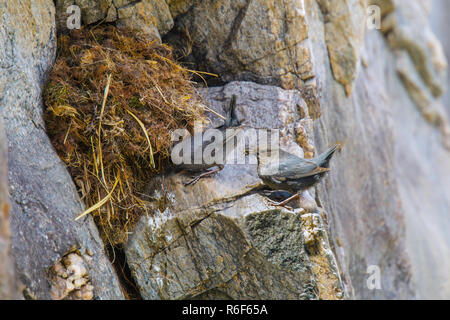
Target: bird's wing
(297, 168)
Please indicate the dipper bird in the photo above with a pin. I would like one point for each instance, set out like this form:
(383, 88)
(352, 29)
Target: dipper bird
(291, 173)
(197, 144)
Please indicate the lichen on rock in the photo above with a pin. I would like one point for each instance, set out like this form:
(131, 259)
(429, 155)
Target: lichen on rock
(150, 16)
(220, 38)
(345, 24)
(69, 277)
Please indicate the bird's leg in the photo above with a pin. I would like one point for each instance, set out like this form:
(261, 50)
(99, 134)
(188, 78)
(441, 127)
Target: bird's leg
(285, 202)
(204, 174)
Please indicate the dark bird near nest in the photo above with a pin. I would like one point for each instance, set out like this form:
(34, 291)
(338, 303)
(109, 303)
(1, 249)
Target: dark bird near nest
(197, 144)
(291, 173)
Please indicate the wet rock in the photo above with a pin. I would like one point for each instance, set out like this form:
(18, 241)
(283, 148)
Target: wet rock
(44, 201)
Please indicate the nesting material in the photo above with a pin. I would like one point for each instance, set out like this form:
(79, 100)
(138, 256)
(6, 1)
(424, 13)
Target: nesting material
(112, 100)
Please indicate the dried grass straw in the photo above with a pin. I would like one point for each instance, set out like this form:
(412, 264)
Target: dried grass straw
(112, 101)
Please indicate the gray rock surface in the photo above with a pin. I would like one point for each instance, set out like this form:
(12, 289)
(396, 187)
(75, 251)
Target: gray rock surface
(385, 202)
(391, 83)
(440, 11)
(8, 287)
(410, 30)
(44, 202)
(150, 16)
(260, 41)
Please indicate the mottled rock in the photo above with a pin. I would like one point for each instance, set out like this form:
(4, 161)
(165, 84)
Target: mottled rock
(221, 239)
(146, 15)
(438, 18)
(69, 277)
(44, 201)
(150, 16)
(8, 288)
(221, 38)
(209, 253)
(387, 198)
(411, 32)
(178, 7)
(345, 25)
(223, 246)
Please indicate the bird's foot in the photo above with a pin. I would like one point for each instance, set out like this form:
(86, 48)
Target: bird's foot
(284, 202)
(204, 174)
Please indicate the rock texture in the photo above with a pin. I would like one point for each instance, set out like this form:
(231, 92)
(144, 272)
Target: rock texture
(421, 62)
(345, 24)
(43, 199)
(222, 38)
(361, 195)
(438, 19)
(408, 29)
(387, 197)
(308, 68)
(220, 238)
(69, 277)
(8, 288)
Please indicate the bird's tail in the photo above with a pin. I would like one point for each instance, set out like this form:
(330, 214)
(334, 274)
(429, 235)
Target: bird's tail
(323, 159)
(231, 120)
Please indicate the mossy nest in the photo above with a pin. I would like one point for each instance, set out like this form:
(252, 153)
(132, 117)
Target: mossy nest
(112, 100)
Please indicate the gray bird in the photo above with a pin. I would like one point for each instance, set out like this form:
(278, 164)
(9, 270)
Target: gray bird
(291, 173)
(189, 143)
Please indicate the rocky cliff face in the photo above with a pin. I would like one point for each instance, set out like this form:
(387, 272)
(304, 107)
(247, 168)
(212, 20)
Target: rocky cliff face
(220, 238)
(438, 18)
(390, 191)
(43, 198)
(312, 69)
